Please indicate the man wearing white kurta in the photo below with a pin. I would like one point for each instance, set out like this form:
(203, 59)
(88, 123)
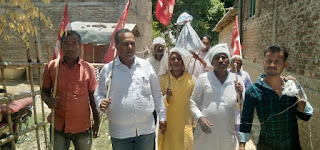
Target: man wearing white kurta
(212, 104)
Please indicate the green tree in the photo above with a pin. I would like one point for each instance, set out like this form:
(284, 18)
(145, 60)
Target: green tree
(19, 16)
(227, 3)
(206, 14)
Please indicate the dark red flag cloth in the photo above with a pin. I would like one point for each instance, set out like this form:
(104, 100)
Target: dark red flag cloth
(120, 25)
(162, 11)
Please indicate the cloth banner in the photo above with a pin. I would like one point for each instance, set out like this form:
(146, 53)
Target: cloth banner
(235, 43)
(65, 26)
(162, 11)
(120, 25)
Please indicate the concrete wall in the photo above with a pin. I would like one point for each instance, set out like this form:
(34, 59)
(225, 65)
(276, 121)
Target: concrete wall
(80, 10)
(294, 24)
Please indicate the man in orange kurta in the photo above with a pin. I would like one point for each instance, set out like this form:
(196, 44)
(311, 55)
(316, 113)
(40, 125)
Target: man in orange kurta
(76, 85)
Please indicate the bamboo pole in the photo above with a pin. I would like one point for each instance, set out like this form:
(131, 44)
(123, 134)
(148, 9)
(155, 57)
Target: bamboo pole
(21, 65)
(28, 55)
(238, 94)
(37, 52)
(40, 83)
(48, 52)
(34, 106)
(92, 54)
(54, 96)
(108, 89)
(1, 60)
(22, 132)
(7, 107)
(168, 41)
(8, 99)
(29, 61)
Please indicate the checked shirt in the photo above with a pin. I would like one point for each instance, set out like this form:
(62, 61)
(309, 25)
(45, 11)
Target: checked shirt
(279, 131)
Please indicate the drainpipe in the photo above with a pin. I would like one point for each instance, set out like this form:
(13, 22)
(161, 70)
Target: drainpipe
(240, 19)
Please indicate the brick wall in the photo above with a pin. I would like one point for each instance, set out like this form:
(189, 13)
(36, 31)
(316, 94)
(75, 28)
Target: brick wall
(80, 10)
(296, 25)
(225, 36)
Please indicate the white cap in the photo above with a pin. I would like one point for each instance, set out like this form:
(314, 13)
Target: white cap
(158, 40)
(219, 49)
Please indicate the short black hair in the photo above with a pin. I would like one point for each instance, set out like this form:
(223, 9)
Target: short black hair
(70, 33)
(116, 36)
(207, 36)
(275, 49)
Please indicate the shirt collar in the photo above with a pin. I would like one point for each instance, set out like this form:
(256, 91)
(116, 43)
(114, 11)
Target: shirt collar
(135, 59)
(264, 84)
(62, 61)
(180, 78)
(227, 79)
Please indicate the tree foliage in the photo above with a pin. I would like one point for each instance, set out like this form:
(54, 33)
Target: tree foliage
(206, 14)
(19, 16)
(227, 3)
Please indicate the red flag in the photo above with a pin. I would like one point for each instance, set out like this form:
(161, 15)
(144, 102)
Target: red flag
(120, 25)
(65, 26)
(162, 11)
(235, 43)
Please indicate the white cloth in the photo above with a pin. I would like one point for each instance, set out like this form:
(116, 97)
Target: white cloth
(219, 49)
(185, 55)
(154, 63)
(158, 40)
(189, 39)
(184, 17)
(216, 102)
(157, 64)
(135, 93)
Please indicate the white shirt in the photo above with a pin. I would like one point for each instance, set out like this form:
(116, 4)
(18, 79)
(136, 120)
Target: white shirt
(135, 93)
(155, 63)
(215, 101)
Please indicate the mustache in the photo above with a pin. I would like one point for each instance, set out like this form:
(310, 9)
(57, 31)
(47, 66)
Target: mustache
(272, 68)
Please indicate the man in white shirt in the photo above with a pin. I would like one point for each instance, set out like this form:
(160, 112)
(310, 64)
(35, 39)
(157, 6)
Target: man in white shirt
(158, 52)
(212, 103)
(135, 94)
(245, 77)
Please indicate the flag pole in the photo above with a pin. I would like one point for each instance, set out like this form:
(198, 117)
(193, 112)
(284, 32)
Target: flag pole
(168, 41)
(108, 90)
(54, 96)
(120, 25)
(238, 95)
(239, 44)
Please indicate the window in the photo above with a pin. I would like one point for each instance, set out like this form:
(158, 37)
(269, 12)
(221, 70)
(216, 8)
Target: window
(251, 8)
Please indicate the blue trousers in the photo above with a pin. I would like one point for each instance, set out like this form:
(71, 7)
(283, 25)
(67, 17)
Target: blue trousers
(142, 142)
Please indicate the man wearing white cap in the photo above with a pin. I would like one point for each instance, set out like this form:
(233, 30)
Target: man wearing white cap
(158, 46)
(212, 103)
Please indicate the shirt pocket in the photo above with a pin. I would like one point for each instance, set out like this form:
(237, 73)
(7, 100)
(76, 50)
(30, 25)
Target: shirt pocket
(144, 86)
(80, 88)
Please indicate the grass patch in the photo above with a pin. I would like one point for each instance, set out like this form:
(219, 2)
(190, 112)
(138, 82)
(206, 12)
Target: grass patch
(29, 141)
